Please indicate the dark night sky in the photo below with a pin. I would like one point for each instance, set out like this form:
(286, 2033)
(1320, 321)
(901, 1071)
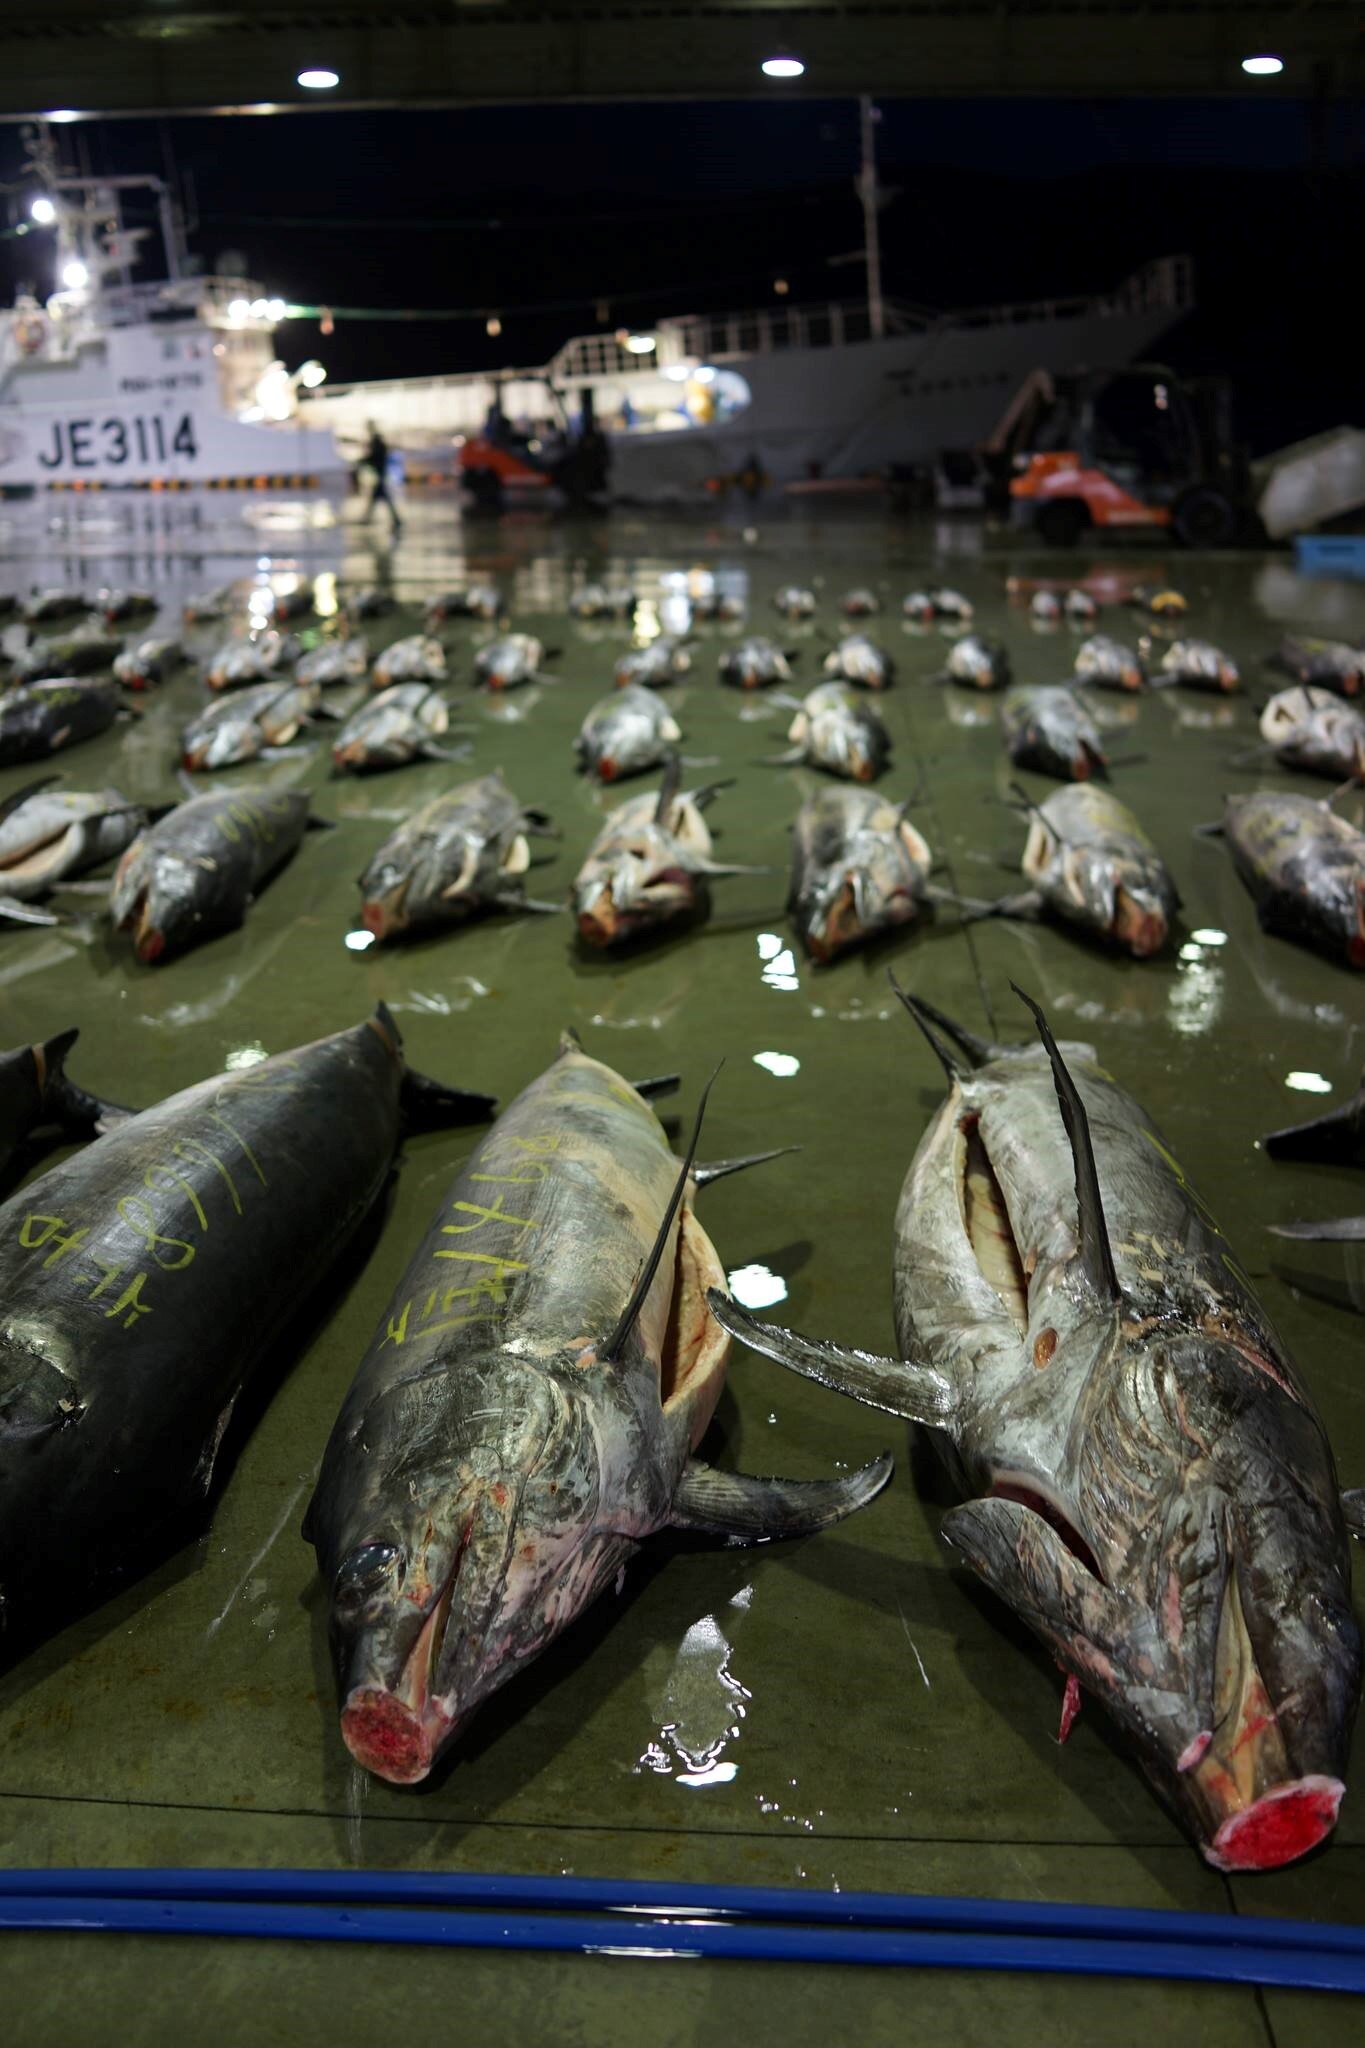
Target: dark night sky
(674, 207)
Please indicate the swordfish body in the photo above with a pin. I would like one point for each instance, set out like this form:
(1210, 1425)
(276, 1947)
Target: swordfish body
(526, 1414)
(146, 1278)
(1147, 1482)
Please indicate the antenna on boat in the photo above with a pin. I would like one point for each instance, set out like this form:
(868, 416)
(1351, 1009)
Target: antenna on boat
(867, 192)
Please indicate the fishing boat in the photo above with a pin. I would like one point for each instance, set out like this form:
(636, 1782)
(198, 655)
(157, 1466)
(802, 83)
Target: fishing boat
(119, 379)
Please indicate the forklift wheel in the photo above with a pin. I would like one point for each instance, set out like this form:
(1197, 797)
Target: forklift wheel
(1062, 522)
(1205, 518)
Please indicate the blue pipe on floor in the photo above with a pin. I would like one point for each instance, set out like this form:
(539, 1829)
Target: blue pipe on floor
(718, 1920)
(1305, 1969)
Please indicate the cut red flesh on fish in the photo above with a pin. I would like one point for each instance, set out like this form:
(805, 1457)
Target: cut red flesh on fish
(386, 1737)
(1284, 1824)
(1071, 1706)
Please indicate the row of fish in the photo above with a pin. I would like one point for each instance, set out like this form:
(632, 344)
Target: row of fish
(1145, 1480)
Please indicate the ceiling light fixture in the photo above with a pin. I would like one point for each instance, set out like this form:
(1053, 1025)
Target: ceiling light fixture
(62, 114)
(785, 66)
(43, 211)
(319, 79)
(1262, 67)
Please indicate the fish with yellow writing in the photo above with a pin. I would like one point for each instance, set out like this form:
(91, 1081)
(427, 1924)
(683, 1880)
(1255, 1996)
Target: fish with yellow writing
(528, 1413)
(194, 873)
(147, 1278)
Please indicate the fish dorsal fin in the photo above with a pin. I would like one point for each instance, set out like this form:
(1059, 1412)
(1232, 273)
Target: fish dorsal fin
(668, 788)
(639, 1294)
(951, 1066)
(1097, 1260)
(569, 1041)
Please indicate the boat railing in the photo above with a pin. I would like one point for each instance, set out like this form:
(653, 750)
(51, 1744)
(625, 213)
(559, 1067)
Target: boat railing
(208, 298)
(1166, 285)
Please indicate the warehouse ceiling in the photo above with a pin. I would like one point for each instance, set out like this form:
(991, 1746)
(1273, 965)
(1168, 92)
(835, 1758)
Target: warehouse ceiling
(159, 56)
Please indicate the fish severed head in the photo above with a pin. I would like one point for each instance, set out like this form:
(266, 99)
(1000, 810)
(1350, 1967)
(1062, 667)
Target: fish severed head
(1207, 1608)
(474, 1539)
(639, 884)
(156, 898)
(876, 885)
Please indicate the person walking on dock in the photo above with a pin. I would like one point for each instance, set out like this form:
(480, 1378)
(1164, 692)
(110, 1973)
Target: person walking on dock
(377, 459)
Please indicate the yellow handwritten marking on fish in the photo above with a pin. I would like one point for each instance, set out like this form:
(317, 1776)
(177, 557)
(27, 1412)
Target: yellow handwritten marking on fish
(186, 1148)
(548, 1142)
(149, 1180)
(146, 1229)
(485, 1259)
(1242, 1278)
(32, 1238)
(131, 1299)
(396, 1331)
(537, 1171)
(111, 1269)
(216, 1116)
(497, 1214)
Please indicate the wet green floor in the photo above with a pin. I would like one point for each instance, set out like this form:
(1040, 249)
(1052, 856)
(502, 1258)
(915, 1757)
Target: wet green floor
(847, 1710)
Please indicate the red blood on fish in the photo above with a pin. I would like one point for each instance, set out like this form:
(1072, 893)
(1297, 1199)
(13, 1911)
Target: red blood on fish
(1071, 1706)
(372, 917)
(151, 945)
(1279, 1827)
(386, 1737)
(606, 768)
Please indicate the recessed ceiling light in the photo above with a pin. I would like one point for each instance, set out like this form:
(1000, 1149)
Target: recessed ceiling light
(319, 80)
(782, 67)
(1262, 67)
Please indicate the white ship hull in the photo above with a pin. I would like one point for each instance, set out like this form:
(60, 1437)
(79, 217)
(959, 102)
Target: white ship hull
(157, 442)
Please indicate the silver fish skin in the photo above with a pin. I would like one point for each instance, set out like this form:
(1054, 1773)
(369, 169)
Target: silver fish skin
(625, 734)
(918, 607)
(1317, 731)
(1200, 665)
(207, 605)
(401, 724)
(841, 732)
(1094, 866)
(195, 872)
(859, 867)
(1109, 664)
(648, 867)
(602, 601)
(148, 662)
(980, 664)
(1051, 731)
(255, 659)
(42, 718)
(1045, 608)
(859, 660)
(416, 659)
(508, 663)
(753, 665)
(793, 601)
(860, 603)
(463, 853)
(38, 1095)
(667, 659)
(243, 724)
(81, 653)
(1080, 607)
(53, 835)
(526, 1416)
(115, 605)
(1324, 664)
(1147, 1483)
(1304, 868)
(338, 661)
(473, 601)
(151, 1278)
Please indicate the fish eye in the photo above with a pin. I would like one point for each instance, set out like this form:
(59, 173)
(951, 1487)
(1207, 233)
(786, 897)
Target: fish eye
(362, 1574)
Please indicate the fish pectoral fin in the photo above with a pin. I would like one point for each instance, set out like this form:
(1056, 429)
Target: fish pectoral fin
(750, 1510)
(656, 1085)
(26, 913)
(1327, 1230)
(430, 1105)
(514, 900)
(1353, 1508)
(705, 1171)
(918, 1392)
(517, 858)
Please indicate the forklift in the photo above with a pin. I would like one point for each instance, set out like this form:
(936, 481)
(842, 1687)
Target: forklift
(1139, 446)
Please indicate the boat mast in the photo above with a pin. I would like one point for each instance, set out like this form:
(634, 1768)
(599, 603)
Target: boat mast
(867, 192)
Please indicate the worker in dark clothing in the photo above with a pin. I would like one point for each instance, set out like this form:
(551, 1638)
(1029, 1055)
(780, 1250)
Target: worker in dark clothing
(377, 459)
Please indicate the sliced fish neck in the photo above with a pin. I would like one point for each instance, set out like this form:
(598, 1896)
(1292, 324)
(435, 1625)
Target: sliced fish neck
(642, 871)
(1050, 731)
(397, 726)
(841, 733)
(490, 1470)
(165, 1262)
(859, 867)
(1096, 868)
(416, 659)
(1304, 867)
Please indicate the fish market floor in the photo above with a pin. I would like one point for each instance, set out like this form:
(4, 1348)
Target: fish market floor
(846, 1710)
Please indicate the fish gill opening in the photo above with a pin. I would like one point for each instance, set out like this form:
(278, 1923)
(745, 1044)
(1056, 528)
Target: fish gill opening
(987, 1223)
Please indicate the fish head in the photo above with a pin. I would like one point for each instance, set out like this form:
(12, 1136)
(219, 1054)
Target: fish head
(155, 897)
(636, 882)
(1201, 1594)
(875, 882)
(474, 1541)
